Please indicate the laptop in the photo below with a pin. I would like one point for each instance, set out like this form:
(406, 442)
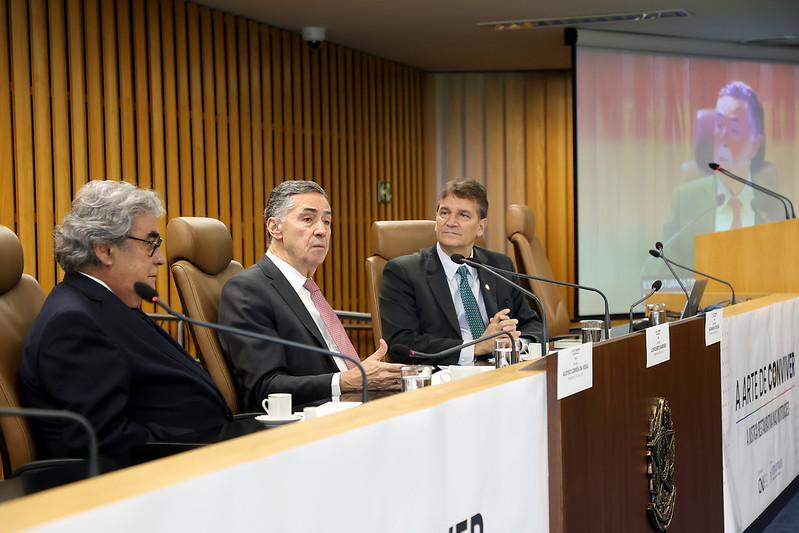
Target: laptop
(694, 297)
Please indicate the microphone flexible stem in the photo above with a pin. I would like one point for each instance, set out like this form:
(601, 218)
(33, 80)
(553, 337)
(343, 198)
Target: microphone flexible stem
(764, 190)
(703, 274)
(245, 333)
(31, 412)
(514, 355)
(651, 292)
(497, 271)
(673, 273)
(475, 264)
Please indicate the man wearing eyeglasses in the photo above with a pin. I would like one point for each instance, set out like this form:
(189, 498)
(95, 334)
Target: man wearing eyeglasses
(91, 350)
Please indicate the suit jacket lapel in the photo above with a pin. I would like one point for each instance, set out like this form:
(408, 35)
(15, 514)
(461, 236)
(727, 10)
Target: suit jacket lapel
(115, 311)
(488, 284)
(290, 297)
(437, 282)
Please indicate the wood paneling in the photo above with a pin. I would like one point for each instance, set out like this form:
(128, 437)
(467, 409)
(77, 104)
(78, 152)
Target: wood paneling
(513, 132)
(211, 111)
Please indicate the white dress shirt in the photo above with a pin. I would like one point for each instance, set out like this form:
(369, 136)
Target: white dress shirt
(297, 280)
(453, 281)
(724, 211)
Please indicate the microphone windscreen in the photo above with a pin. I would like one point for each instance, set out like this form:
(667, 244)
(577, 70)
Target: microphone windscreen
(145, 291)
(398, 352)
(654, 253)
(456, 258)
(657, 285)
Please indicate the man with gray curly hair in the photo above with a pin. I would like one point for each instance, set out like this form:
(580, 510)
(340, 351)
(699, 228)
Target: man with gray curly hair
(93, 351)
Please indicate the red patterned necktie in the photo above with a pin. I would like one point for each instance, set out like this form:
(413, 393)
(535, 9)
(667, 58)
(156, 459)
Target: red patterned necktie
(332, 322)
(735, 205)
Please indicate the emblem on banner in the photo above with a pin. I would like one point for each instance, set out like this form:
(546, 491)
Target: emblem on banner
(660, 458)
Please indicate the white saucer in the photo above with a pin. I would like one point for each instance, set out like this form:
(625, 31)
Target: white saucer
(273, 421)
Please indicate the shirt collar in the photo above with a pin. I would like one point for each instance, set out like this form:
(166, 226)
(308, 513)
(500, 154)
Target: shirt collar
(101, 282)
(294, 277)
(450, 266)
(746, 195)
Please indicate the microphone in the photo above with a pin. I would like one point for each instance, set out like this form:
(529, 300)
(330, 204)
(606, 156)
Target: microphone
(30, 412)
(764, 190)
(660, 254)
(403, 352)
(460, 259)
(151, 295)
(655, 287)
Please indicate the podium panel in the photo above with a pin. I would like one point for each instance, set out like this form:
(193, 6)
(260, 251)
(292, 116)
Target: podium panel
(759, 258)
(597, 438)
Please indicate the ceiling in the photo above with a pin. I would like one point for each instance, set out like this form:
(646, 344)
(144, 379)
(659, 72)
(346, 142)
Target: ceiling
(442, 35)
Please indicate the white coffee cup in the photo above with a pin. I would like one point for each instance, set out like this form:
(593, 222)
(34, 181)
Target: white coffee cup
(277, 405)
(457, 371)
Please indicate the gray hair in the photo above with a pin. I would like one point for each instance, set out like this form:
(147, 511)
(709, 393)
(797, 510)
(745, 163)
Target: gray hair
(102, 212)
(280, 201)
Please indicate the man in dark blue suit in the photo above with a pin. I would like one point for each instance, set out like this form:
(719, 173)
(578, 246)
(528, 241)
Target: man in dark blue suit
(92, 350)
(430, 304)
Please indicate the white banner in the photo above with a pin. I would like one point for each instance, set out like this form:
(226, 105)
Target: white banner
(760, 422)
(475, 463)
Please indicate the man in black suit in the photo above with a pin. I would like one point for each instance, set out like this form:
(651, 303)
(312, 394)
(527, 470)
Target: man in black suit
(429, 303)
(277, 297)
(91, 349)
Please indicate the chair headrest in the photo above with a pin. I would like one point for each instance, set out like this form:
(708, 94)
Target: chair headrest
(393, 238)
(520, 219)
(204, 242)
(13, 261)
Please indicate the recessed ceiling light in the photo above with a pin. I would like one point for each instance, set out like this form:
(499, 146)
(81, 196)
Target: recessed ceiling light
(586, 19)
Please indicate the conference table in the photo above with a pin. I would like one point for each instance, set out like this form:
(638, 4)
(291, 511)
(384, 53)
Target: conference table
(498, 451)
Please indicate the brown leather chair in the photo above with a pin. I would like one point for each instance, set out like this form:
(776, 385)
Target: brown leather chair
(531, 259)
(21, 298)
(390, 239)
(200, 256)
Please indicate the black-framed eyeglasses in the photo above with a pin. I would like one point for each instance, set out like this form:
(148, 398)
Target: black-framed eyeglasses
(153, 244)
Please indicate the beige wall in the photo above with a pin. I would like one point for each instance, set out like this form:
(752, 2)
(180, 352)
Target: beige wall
(513, 132)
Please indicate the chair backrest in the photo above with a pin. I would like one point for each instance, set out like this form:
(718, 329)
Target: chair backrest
(531, 259)
(200, 256)
(21, 298)
(390, 239)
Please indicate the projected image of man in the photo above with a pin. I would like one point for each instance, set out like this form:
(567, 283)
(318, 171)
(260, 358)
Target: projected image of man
(714, 202)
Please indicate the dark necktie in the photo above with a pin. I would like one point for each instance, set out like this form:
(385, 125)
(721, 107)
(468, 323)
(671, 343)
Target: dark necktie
(473, 315)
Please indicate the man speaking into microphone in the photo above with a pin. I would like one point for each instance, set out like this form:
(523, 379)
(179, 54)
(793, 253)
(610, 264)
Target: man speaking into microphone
(713, 202)
(430, 304)
(278, 297)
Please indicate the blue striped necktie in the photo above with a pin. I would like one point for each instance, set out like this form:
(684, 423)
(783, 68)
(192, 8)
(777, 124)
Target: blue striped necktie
(470, 305)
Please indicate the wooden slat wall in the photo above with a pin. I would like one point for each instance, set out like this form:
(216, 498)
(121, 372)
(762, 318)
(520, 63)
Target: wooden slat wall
(513, 132)
(210, 110)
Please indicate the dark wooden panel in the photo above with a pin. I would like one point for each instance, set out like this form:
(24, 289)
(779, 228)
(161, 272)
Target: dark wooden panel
(597, 440)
